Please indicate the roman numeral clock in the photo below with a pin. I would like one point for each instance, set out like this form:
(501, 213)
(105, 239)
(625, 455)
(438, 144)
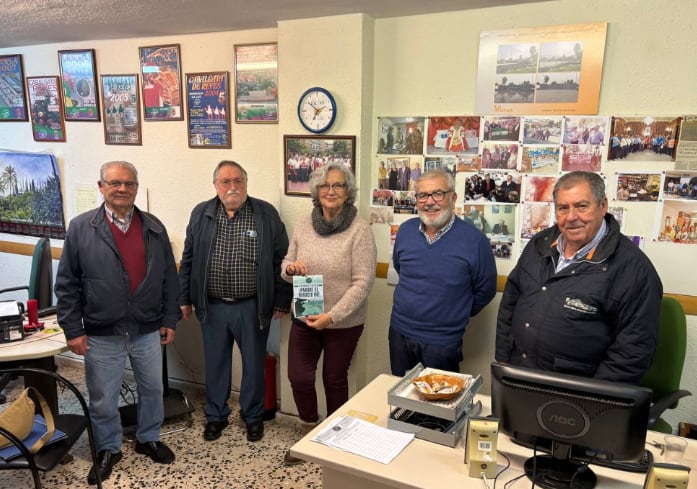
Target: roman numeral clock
(316, 110)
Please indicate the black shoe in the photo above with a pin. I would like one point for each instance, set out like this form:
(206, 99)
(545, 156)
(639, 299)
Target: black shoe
(214, 429)
(105, 461)
(157, 451)
(255, 431)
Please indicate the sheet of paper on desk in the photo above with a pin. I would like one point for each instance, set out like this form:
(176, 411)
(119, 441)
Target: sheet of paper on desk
(363, 438)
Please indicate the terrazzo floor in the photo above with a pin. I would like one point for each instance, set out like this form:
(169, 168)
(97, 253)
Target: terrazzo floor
(229, 462)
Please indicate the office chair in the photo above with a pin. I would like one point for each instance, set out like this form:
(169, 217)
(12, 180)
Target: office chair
(664, 375)
(40, 286)
(73, 425)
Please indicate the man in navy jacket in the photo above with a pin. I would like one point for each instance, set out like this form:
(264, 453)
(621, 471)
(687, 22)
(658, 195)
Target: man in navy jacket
(582, 299)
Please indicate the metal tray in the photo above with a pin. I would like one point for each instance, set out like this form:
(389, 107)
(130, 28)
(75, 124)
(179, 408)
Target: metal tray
(431, 428)
(404, 395)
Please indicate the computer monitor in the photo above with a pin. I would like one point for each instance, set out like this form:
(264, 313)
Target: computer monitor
(577, 420)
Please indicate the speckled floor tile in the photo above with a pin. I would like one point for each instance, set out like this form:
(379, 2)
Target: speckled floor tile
(229, 462)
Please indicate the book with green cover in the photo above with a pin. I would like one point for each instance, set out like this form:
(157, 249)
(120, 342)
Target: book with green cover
(308, 295)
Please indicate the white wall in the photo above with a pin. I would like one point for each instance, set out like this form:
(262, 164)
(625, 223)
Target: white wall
(427, 65)
(420, 65)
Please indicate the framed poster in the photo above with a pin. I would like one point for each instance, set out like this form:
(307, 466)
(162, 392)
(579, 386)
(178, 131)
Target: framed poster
(160, 69)
(80, 92)
(541, 70)
(208, 109)
(256, 82)
(46, 108)
(13, 100)
(304, 154)
(121, 109)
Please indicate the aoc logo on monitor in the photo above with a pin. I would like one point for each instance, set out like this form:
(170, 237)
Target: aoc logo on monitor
(563, 419)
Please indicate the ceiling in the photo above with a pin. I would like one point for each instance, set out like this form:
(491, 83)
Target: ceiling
(29, 22)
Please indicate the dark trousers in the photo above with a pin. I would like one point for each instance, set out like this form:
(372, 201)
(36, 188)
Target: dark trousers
(304, 348)
(406, 352)
(225, 325)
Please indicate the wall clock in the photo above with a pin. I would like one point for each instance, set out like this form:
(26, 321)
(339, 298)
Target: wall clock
(316, 110)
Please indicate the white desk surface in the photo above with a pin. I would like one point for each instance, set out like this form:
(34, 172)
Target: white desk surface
(48, 342)
(426, 465)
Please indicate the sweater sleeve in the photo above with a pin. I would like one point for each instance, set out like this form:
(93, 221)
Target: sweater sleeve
(363, 263)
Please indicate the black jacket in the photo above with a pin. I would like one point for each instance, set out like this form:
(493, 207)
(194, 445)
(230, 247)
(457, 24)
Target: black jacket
(92, 284)
(597, 318)
(272, 291)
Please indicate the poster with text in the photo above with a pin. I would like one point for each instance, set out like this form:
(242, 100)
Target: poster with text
(541, 70)
(46, 108)
(13, 104)
(208, 110)
(80, 93)
(121, 109)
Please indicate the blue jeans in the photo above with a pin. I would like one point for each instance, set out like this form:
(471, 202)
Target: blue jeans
(406, 352)
(225, 324)
(105, 362)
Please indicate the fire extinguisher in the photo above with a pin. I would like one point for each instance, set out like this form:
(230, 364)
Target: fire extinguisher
(270, 387)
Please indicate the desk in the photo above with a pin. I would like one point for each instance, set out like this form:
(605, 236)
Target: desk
(426, 465)
(37, 351)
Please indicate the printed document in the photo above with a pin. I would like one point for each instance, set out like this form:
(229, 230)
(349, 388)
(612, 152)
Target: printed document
(363, 438)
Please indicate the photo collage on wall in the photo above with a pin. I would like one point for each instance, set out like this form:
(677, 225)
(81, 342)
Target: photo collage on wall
(505, 168)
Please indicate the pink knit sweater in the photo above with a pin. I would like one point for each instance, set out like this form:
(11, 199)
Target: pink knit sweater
(347, 262)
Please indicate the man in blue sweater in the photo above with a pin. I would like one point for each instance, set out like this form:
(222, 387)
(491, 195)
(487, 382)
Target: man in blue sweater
(447, 274)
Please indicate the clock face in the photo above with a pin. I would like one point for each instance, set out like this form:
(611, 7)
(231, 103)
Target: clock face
(316, 110)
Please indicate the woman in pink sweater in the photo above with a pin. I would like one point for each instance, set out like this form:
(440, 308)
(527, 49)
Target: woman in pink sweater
(333, 242)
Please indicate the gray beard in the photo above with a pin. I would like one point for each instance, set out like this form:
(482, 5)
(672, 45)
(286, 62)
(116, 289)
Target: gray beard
(439, 221)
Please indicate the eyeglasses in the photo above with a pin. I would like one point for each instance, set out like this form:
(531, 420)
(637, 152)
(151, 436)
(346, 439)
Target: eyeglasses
(336, 187)
(581, 208)
(118, 183)
(438, 195)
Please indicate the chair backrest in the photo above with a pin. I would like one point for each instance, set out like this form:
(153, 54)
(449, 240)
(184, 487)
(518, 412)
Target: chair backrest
(41, 276)
(666, 370)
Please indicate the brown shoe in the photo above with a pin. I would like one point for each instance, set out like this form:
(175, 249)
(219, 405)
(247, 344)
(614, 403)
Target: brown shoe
(290, 460)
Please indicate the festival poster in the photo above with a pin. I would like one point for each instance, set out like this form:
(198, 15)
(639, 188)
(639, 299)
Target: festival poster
(541, 70)
(208, 110)
(256, 83)
(13, 105)
(121, 109)
(80, 93)
(46, 108)
(161, 79)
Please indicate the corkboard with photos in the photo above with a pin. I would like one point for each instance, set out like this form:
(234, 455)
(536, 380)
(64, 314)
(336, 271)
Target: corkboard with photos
(505, 168)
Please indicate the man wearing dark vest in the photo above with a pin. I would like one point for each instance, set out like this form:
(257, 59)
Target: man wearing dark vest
(118, 298)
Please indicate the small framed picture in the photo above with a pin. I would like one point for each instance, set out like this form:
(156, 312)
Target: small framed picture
(304, 154)
(208, 109)
(13, 100)
(256, 82)
(80, 92)
(121, 109)
(160, 70)
(46, 108)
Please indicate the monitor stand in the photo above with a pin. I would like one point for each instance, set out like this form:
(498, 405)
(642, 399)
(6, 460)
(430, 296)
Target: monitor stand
(553, 473)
